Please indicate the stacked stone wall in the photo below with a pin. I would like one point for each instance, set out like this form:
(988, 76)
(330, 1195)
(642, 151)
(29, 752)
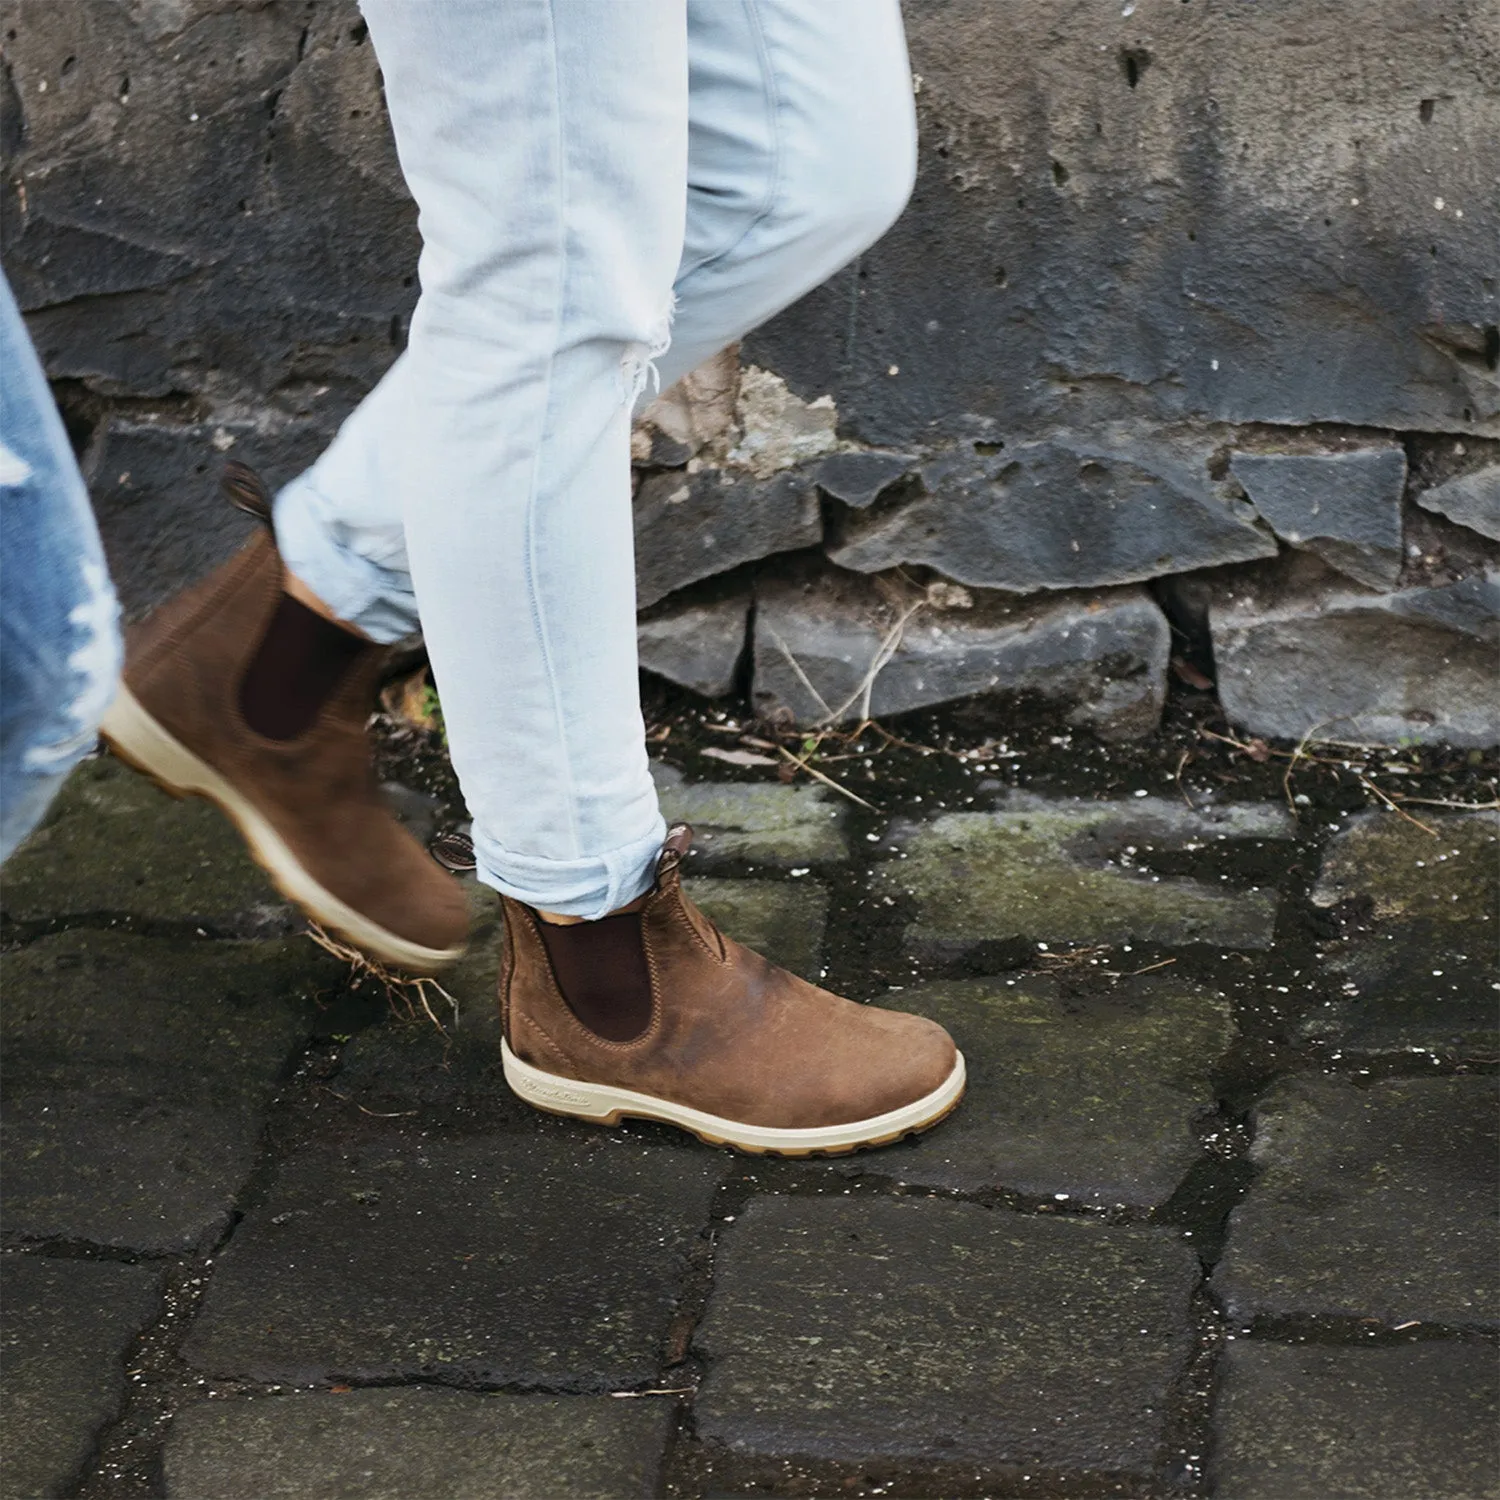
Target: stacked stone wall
(1187, 347)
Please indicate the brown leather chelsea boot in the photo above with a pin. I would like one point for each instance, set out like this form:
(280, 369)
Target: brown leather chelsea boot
(733, 1049)
(306, 801)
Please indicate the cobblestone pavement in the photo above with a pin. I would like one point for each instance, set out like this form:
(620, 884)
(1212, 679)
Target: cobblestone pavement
(1216, 1218)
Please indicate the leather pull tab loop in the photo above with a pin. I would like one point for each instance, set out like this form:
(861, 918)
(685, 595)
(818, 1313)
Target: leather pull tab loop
(674, 850)
(454, 852)
(243, 489)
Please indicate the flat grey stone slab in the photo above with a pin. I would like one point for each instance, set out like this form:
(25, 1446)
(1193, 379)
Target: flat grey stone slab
(1372, 1202)
(1099, 657)
(1411, 1423)
(1471, 499)
(764, 823)
(67, 1326)
(1343, 506)
(691, 526)
(1094, 1098)
(854, 1329)
(782, 920)
(138, 1072)
(418, 1443)
(1301, 650)
(115, 845)
(511, 1258)
(859, 478)
(1067, 870)
(1140, 504)
(697, 640)
(1419, 967)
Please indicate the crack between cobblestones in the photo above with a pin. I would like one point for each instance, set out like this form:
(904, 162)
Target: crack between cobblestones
(128, 1455)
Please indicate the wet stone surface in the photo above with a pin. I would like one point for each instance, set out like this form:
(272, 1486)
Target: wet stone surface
(893, 1329)
(1094, 1097)
(548, 1259)
(420, 1443)
(1372, 1202)
(1409, 1423)
(1416, 965)
(67, 1327)
(766, 824)
(138, 1075)
(414, 1284)
(1074, 871)
(113, 845)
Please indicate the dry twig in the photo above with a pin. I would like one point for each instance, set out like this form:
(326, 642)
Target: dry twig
(399, 988)
(1370, 786)
(826, 780)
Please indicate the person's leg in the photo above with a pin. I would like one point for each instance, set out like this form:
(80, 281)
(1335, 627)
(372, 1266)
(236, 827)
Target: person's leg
(802, 153)
(545, 142)
(546, 146)
(59, 631)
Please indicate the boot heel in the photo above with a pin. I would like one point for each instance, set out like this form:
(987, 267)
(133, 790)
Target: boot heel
(137, 739)
(559, 1096)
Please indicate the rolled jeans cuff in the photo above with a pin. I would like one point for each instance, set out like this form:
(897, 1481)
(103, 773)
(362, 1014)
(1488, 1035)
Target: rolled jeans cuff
(358, 590)
(589, 888)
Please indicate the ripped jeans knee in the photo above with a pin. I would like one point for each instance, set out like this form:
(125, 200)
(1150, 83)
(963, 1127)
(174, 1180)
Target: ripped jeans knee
(59, 668)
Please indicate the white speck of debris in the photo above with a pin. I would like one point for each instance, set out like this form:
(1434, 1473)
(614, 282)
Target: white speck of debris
(872, 838)
(1458, 213)
(1042, 947)
(1213, 364)
(1354, 203)
(1142, 793)
(1060, 1197)
(1437, 203)
(894, 370)
(795, 873)
(1129, 8)
(193, 117)
(1437, 973)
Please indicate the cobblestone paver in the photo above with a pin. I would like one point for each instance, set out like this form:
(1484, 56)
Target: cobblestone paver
(1080, 872)
(896, 1329)
(1089, 1099)
(418, 1443)
(1215, 1222)
(67, 1325)
(1414, 1423)
(1373, 1201)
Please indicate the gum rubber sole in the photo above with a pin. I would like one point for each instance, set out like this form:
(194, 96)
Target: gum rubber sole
(603, 1104)
(143, 743)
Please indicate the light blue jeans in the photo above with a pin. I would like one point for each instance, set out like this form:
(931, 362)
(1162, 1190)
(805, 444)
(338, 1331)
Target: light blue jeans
(594, 178)
(59, 623)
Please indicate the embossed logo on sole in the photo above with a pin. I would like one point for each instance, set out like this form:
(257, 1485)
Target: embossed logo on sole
(556, 1095)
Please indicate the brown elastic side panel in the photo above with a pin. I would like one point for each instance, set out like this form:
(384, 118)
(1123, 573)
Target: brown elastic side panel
(601, 969)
